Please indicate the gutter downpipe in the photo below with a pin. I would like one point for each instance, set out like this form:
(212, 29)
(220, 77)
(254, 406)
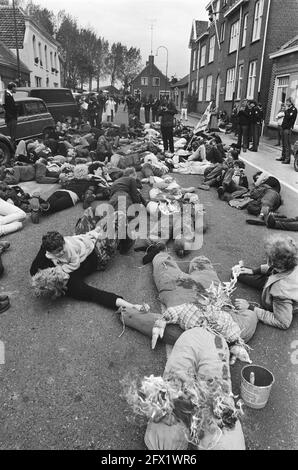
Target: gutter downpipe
(237, 56)
(263, 55)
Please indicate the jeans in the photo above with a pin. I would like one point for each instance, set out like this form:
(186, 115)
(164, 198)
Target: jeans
(76, 286)
(286, 144)
(243, 135)
(256, 133)
(59, 201)
(168, 139)
(11, 218)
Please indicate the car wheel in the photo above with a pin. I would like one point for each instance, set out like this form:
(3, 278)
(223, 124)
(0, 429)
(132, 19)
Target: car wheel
(296, 162)
(4, 153)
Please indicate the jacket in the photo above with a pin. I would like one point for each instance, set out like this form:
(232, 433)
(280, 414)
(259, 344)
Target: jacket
(127, 184)
(76, 249)
(256, 116)
(167, 114)
(10, 107)
(279, 298)
(290, 118)
(243, 117)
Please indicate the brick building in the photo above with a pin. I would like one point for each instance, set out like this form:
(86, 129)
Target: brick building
(179, 91)
(37, 48)
(230, 53)
(284, 82)
(150, 82)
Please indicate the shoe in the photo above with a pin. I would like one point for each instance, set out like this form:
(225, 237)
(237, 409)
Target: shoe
(4, 247)
(256, 222)
(270, 220)
(152, 251)
(280, 159)
(35, 209)
(286, 162)
(4, 306)
(4, 298)
(220, 192)
(44, 206)
(89, 197)
(205, 187)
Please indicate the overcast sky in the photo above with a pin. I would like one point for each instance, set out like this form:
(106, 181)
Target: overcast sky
(128, 21)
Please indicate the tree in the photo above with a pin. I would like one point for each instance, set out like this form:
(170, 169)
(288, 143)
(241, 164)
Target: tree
(115, 62)
(69, 36)
(42, 16)
(131, 66)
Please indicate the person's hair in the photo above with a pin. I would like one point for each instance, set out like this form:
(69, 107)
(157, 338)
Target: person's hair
(289, 100)
(11, 85)
(52, 241)
(234, 154)
(130, 172)
(281, 252)
(273, 183)
(93, 167)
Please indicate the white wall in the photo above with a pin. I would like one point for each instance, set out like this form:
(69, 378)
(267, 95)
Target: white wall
(27, 55)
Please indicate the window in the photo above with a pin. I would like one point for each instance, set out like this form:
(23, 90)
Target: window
(251, 80)
(38, 81)
(55, 60)
(234, 36)
(193, 87)
(32, 108)
(230, 84)
(34, 47)
(196, 59)
(203, 56)
(144, 81)
(222, 32)
(201, 86)
(40, 54)
(156, 81)
(240, 82)
(51, 60)
(42, 108)
(211, 48)
(208, 87)
(281, 92)
(244, 34)
(258, 20)
(46, 57)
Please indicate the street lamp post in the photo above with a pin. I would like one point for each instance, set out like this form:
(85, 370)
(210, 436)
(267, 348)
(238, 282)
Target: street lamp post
(164, 47)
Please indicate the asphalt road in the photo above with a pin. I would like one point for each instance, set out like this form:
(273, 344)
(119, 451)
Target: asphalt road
(60, 384)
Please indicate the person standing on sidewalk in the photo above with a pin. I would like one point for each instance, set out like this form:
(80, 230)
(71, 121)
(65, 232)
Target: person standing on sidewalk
(280, 117)
(184, 109)
(11, 111)
(256, 120)
(287, 126)
(243, 125)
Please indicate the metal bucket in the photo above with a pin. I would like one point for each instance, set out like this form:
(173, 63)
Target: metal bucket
(256, 395)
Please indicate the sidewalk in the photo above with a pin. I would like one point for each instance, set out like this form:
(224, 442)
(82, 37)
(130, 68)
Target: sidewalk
(264, 159)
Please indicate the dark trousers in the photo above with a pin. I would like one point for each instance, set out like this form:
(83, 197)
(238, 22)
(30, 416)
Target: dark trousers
(286, 144)
(76, 286)
(92, 120)
(1, 267)
(243, 136)
(111, 117)
(256, 133)
(257, 281)
(12, 129)
(59, 201)
(167, 137)
(282, 223)
(154, 115)
(99, 119)
(147, 115)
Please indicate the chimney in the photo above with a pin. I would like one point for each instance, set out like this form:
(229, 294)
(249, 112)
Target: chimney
(151, 62)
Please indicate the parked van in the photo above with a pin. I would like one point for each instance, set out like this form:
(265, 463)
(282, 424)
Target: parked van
(60, 101)
(34, 120)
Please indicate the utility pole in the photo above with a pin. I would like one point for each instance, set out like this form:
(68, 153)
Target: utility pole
(17, 45)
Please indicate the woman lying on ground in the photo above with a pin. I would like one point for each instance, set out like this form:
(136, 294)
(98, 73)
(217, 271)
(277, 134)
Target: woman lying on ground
(62, 264)
(11, 218)
(278, 281)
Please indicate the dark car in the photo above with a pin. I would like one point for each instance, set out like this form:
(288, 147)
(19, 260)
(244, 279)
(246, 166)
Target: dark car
(60, 101)
(34, 120)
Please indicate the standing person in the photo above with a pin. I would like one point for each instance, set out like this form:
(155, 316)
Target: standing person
(92, 110)
(184, 109)
(101, 107)
(137, 107)
(243, 125)
(280, 117)
(155, 106)
(256, 119)
(147, 107)
(167, 112)
(11, 111)
(110, 109)
(287, 126)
